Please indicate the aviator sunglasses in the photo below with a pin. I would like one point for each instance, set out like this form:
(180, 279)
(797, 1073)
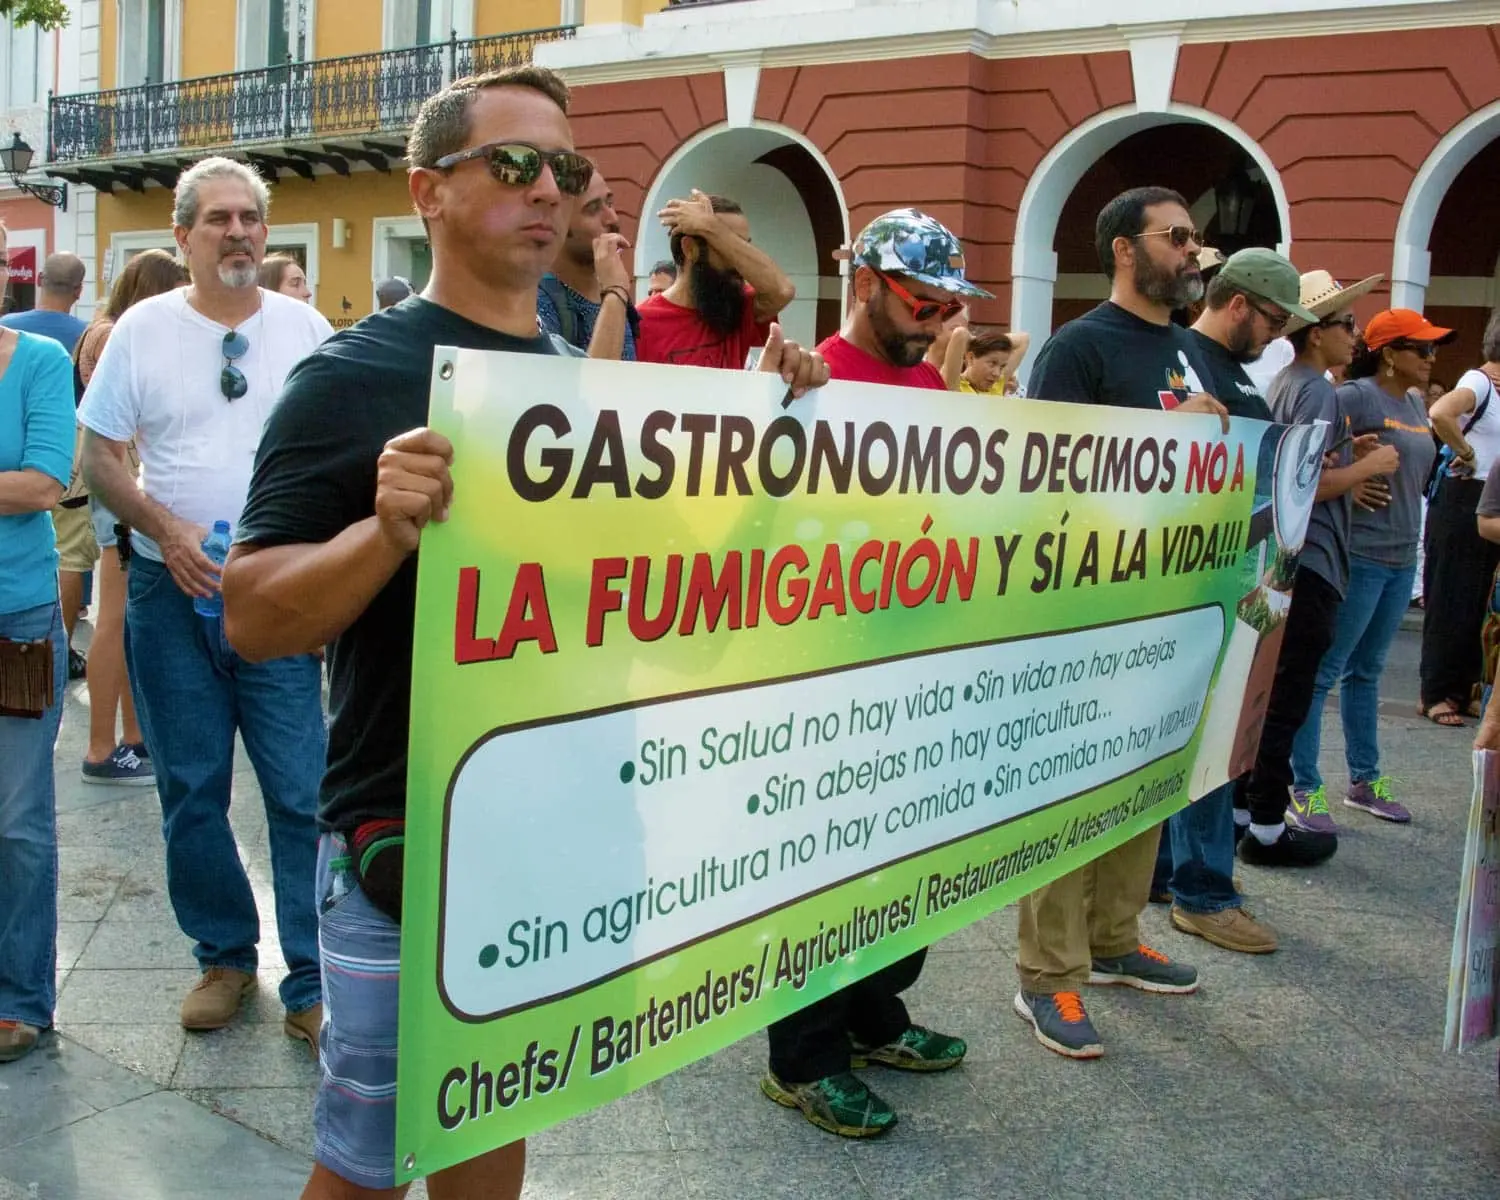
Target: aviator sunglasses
(922, 310)
(232, 381)
(518, 164)
(1346, 322)
(1180, 235)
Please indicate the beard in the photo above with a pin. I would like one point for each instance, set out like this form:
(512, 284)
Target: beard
(238, 277)
(1241, 344)
(1175, 289)
(900, 349)
(720, 297)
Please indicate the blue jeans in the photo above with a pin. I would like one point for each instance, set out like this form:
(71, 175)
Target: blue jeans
(1374, 602)
(1202, 837)
(28, 835)
(191, 693)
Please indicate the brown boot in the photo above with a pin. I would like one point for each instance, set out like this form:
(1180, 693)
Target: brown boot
(215, 998)
(1233, 929)
(17, 1040)
(304, 1026)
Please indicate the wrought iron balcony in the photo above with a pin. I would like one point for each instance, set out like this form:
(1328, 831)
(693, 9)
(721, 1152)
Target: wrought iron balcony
(272, 115)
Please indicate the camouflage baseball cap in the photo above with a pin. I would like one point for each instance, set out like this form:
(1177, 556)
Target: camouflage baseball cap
(909, 242)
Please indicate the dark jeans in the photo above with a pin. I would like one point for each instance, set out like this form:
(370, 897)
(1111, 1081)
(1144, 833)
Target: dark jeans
(1309, 632)
(192, 692)
(814, 1043)
(1456, 580)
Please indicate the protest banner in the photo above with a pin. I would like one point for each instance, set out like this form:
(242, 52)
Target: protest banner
(1473, 1014)
(721, 703)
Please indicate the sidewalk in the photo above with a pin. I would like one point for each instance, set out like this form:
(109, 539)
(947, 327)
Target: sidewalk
(1314, 1072)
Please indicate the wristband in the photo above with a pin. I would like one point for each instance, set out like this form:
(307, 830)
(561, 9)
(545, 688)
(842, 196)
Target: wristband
(615, 289)
(1466, 454)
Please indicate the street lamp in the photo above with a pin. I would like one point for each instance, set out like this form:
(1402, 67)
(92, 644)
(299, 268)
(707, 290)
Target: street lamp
(15, 161)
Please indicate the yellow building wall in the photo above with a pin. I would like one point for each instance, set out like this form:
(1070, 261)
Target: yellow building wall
(347, 27)
(107, 47)
(208, 38)
(512, 16)
(341, 273)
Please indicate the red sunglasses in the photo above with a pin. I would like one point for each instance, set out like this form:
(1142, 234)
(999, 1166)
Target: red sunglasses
(922, 310)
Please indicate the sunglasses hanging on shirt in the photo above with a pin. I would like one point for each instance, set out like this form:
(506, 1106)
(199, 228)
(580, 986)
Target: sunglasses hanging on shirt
(232, 381)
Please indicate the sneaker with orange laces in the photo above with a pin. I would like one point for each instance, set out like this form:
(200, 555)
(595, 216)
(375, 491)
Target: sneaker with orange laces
(1060, 1022)
(1147, 969)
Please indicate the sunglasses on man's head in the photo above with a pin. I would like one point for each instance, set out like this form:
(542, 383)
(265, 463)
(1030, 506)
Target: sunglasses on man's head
(1180, 235)
(232, 381)
(519, 164)
(922, 310)
(1421, 349)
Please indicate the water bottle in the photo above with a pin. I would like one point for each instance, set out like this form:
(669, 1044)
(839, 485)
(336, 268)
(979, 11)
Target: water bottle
(216, 546)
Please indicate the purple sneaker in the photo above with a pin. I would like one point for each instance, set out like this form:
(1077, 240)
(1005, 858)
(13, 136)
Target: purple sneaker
(1375, 798)
(1309, 811)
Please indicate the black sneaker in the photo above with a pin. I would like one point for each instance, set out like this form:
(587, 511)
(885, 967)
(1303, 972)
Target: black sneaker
(1294, 848)
(78, 666)
(1060, 1023)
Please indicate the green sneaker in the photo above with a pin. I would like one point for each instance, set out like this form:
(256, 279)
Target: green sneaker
(918, 1049)
(840, 1104)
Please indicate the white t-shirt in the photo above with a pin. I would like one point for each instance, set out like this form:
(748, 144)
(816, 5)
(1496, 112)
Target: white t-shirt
(158, 382)
(1276, 356)
(1484, 435)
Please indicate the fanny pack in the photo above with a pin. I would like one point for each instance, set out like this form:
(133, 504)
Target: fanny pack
(25, 678)
(376, 856)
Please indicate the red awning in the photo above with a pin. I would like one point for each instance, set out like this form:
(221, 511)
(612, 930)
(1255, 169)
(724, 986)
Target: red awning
(22, 262)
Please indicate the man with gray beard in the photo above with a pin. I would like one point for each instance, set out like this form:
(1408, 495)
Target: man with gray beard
(191, 377)
(1085, 927)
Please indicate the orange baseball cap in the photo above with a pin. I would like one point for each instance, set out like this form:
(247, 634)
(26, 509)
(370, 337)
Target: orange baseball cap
(1397, 324)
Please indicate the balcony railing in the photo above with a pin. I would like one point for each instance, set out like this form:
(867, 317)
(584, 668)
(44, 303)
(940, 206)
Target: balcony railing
(295, 101)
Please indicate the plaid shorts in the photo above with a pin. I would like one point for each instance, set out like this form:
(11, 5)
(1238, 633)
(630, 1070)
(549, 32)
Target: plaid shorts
(354, 1116)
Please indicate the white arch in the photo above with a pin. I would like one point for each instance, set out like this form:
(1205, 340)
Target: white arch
(1034, 262)
(748, 142)
(1411, 268)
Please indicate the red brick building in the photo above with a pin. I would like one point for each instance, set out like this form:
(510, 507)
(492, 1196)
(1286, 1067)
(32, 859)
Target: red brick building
(1357, 138)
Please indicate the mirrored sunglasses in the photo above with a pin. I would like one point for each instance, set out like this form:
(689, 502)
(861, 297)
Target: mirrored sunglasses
(519, 164)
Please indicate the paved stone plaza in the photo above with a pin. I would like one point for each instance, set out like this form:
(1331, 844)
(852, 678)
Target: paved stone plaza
(1315, 1072)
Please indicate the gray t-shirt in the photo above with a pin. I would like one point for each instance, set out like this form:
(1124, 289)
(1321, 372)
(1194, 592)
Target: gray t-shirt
(1300, 395)
(1389, 535)
(1489, 499)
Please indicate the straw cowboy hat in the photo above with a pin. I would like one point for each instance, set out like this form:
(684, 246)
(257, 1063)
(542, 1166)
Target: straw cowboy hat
(1323, 296)
(1209, 258)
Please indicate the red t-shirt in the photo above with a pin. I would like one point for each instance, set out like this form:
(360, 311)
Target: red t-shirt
(676, 335)
(847, 361)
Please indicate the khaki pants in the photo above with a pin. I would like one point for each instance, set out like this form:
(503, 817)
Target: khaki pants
(1094, 912)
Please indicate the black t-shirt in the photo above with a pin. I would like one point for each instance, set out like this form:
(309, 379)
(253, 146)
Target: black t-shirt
(1228, 383)
(314, 477)
(1110, 356)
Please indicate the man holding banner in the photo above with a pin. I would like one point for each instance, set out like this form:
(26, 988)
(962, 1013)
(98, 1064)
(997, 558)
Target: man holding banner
(1085, 927)
(908, 269)
(346, 479)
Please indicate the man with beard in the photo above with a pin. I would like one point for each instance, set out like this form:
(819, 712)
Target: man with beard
(1248, 303)
(908, 269)
(585, 298)
(191, 377)
(725, 296)
(1085, 927)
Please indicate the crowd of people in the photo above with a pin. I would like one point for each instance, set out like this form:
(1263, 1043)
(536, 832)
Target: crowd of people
(206, 391)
